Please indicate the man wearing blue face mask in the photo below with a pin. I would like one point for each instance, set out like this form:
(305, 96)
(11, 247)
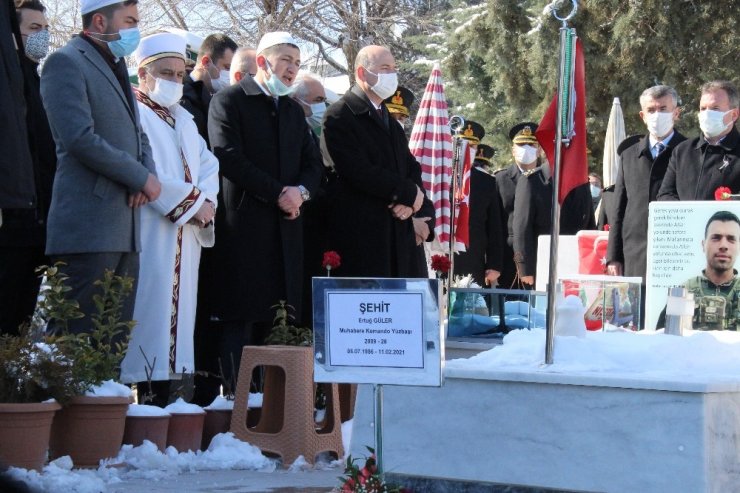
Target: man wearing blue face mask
(700, 165)
(104, 168)
(270, 165)
(379, 185)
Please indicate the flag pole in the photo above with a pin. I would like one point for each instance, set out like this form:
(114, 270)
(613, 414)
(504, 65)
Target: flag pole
(456, 125)
(564, 119)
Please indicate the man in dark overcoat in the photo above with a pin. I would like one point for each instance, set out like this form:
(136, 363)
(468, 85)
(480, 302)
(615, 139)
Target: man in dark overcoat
(483, 256)
(521, 135)
(644, 163)
(378, 186)
(270, 165)
(700, 165)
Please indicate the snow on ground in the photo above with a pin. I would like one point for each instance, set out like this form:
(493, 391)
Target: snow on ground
(704, 355)
(226, 452)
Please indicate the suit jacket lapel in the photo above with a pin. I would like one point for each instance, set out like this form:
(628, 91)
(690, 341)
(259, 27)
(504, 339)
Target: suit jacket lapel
(92, 55)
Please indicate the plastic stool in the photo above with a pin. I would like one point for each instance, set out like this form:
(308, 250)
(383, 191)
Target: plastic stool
(286, 426)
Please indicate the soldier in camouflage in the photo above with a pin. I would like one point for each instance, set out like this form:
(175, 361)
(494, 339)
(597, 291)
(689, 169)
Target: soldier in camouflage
(717, 290)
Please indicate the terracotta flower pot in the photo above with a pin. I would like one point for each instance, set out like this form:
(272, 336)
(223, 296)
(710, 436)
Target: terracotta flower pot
(152, 428)
(186, 431)
(89, 429)
(216, 421)
(24, 433)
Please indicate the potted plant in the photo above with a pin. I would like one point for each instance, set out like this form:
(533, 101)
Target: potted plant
(34, 378)
(146, 422)
(90, 426)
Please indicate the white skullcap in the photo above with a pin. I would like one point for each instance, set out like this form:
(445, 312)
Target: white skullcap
(88, 6)
(275, 38)
(161, 45)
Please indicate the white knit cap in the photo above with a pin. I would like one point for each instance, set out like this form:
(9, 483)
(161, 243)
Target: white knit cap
(275, 38)
(160, 45)
(93, 5)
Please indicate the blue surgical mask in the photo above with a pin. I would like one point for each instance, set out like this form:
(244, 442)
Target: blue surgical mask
(317, 114)
(275, 85)
(127, 44)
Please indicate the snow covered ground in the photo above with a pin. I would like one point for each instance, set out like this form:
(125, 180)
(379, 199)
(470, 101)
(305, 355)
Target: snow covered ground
(228, 462)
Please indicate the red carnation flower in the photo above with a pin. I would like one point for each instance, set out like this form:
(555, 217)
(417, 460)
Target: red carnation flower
(332, 260)
(722, 193)
(441, 263)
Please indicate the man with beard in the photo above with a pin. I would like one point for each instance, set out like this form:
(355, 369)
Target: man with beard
(717, 289)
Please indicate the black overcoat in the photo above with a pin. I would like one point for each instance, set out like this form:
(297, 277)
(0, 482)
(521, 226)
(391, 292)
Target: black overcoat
(696, 169)
(638, 181)
(16, 166)
(487, 233)
(261, 149)
(374, 169)
(532, 216)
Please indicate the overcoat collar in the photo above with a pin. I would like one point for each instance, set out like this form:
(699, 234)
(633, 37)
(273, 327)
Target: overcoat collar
(96, 59)
(358, 102)
(728, 143)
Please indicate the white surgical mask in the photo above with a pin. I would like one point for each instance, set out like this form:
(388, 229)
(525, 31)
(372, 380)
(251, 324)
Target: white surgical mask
(222, 82)
(525, 154)
(659, 124)
(165, 93)
(386, 85)
(712, 122)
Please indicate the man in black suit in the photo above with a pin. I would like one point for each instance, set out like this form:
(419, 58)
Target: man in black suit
(378, 186)
(522, 137)
(484, 254)
(270, 165)
(644, 164)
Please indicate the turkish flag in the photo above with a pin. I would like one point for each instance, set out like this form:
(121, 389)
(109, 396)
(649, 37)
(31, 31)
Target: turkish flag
(573, 159)
(592, 251)
(462, 199)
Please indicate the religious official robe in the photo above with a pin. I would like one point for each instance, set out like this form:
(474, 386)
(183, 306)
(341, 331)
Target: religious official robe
(170, 253)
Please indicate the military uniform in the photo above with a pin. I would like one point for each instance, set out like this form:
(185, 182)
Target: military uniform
(485, 250)
(532, 216)
(717, 307)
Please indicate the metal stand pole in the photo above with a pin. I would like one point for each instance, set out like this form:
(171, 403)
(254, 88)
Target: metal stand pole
(564, 84)
(378, 420)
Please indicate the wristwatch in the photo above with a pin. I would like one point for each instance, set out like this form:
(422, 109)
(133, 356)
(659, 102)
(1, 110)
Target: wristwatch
(305, 195)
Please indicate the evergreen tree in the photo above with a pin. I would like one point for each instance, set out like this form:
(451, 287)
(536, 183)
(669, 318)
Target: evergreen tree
(502, 64)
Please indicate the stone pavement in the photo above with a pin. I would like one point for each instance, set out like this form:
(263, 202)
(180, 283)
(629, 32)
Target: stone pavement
(279, 481)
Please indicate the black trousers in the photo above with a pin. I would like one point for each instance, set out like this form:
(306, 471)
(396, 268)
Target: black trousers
(19, 285)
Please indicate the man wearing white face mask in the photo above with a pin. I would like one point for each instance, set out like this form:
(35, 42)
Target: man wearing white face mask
(379, 185)
(270, 165)
(701, 165)
(175, 226)
(524, 151)
(639, 179)
(210, 75)
(310, 94)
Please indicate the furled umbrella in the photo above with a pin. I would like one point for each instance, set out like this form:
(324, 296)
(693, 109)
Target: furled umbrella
(615, 134)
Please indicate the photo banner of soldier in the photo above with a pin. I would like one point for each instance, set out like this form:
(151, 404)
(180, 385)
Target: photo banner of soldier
(431, 145)
(679, 254)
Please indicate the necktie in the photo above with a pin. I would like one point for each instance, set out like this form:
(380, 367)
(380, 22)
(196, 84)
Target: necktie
(659, 147)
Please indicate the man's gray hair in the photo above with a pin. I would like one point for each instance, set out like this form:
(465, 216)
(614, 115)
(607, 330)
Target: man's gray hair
(242, 60)
(726, 86)
(301, 89)
(657, 92)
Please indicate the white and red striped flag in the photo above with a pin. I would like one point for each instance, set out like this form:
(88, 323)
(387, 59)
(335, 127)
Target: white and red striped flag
(431, 144)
